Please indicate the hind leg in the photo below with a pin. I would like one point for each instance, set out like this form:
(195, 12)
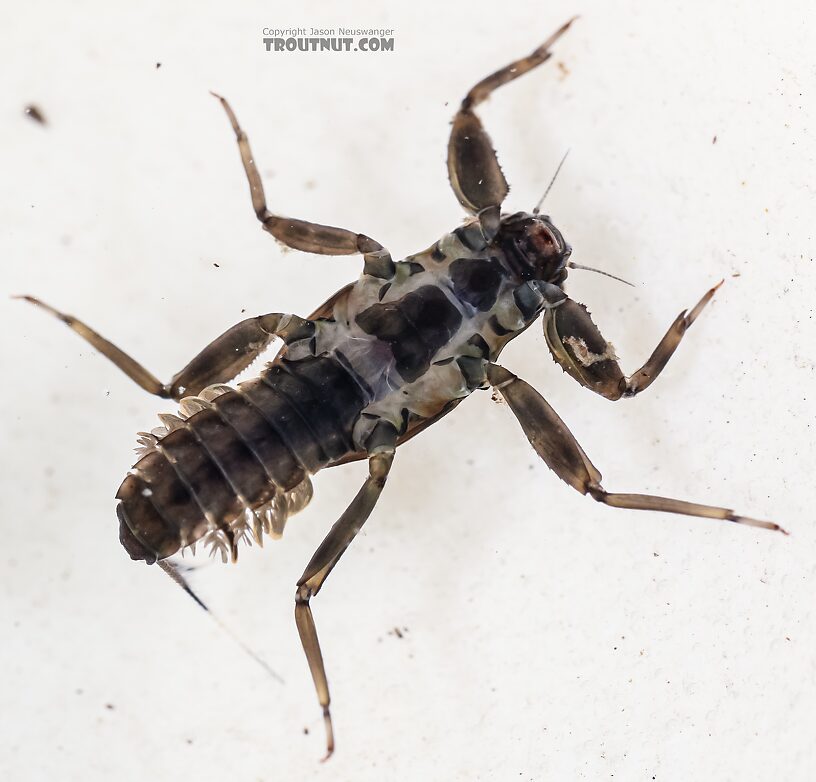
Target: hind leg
(219, 362)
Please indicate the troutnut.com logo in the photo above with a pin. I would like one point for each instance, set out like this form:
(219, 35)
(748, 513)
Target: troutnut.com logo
(328, 39)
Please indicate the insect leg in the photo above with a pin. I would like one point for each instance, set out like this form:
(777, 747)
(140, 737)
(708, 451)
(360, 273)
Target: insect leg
(473, 169)
(302, 235)
(219, 362)
(556, 445)
(580, 349)
(381, 455)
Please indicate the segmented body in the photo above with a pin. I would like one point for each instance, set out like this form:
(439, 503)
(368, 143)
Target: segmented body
(377, 363)
(398, 349)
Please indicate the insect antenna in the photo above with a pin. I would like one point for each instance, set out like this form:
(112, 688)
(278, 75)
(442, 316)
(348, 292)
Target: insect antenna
(549, 187)
(572, 265)
(175, 574)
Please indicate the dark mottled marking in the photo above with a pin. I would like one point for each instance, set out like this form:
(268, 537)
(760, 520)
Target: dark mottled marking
(414, 268)
(380, 266)
(437, 254)
(442, 362)
(476, 281)
(415, 327)
(470, 236)
(381, 293)
(335, 388)
(497, 327)
(473, 371)
(304, 330)
(478, 341)
(528, 300)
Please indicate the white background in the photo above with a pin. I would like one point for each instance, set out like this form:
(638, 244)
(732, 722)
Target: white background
(548, 637)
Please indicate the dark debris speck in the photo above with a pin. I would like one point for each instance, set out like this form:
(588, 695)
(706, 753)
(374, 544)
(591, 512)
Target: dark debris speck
(35, 113)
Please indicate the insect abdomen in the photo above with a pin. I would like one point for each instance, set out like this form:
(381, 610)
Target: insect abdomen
(245, 450)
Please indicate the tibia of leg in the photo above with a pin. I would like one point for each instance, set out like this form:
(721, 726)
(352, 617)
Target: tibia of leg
(644, 376)
(513, 70)
(298, 234)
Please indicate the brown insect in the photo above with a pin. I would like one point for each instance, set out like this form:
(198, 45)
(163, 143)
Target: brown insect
(379, 362)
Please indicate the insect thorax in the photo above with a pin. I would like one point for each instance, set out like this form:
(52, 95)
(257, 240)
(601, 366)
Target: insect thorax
(420, 338)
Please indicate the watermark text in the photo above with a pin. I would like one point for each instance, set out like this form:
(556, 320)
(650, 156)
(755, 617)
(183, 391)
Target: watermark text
(328, 39)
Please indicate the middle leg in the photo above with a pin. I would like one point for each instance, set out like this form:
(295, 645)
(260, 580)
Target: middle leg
(300, 234)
